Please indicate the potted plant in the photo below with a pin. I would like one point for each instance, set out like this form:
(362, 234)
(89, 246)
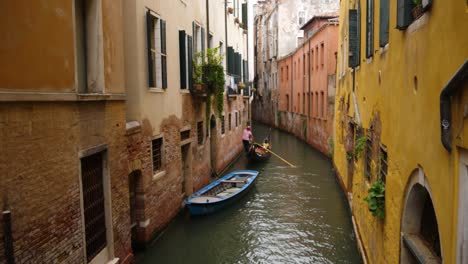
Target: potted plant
(245, 31)
(241, 85)
(236, 20)
(230, 10)
(417, 9)
(241, 24)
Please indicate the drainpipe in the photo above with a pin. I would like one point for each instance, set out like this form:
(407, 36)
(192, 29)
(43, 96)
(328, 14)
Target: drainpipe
(8, 238)
(453, 85)
(207, 22)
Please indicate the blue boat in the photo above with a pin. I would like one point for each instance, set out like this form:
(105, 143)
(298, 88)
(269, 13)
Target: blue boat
(221, 192)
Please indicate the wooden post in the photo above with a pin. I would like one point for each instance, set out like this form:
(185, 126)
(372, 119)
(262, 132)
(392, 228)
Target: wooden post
(8, 238)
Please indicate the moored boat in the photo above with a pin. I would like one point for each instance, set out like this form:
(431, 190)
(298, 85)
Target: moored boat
(221, 192)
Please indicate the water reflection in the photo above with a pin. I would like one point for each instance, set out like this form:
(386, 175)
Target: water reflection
(292, 215)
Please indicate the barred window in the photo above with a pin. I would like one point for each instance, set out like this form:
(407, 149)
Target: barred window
(156, 145)
(229, 121)
(185, 135)
(93, 204)
(200, 132)
(223, 128)
(383, 163)
(368, 158)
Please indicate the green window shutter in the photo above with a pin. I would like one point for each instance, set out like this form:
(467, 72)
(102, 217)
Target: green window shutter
(149, 29)
(244, 15)
(404, 16)
(190, 61)
(182, 60)
(202, 40)
(370, 28)
(384, 22)
(354, 42)
(163, 58)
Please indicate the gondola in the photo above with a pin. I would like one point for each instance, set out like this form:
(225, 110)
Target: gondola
(221, 193)
(258, 153)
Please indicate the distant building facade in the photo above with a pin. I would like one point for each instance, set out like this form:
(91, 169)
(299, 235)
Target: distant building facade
(307, 84)
(278, 30)
(400, 106)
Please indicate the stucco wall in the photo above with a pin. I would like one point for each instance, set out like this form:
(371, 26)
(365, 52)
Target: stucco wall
(410, 123)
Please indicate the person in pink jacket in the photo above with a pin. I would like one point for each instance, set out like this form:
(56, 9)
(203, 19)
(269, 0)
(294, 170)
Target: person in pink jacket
(247, 138)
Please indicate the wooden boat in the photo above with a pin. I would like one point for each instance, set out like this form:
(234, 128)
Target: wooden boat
(221, 192)
(258, 153)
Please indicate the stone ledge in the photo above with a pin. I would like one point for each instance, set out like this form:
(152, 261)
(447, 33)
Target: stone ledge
(52, 96)
(159, 175)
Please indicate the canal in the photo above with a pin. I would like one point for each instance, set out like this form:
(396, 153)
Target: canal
(292, 215)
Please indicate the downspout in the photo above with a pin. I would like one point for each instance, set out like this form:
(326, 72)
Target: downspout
(291, 77)
(207, 22)
(453, 85)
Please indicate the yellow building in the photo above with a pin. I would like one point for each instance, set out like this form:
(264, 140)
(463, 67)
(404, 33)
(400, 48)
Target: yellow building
(401, 105)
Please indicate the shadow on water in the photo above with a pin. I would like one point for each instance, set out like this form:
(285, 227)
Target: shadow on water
(292, 215)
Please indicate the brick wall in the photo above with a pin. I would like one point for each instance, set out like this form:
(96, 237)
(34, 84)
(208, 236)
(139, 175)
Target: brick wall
(41, 180)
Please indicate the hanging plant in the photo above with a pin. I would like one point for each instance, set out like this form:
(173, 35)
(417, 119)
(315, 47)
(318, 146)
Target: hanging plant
(376, 199)
(213, 78)
(360, 145)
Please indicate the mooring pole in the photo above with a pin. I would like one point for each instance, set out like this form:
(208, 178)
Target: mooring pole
(8, 238)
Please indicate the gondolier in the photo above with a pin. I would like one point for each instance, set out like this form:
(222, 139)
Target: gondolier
(247, 137)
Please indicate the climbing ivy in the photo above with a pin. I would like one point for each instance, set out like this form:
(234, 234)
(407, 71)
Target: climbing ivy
(376, 199)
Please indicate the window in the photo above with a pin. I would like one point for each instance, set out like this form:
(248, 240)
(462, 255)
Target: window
(185, 59)
(303, 103)
(384, 22)
(312, 104)
(184, 135)
(237, 123)
(229, 121)
(200, 132)
(156, 41)
(312, 60)
(156, 147)
(287, 102)
(383, 165)
(316, 56)
(92, 180)
(308, 104)
(368, 158)
(369, 28)
(322, 55)
(298, 102)
(404, 12)
(301, 18)
(198, 38)
(223, 128)
(90, 63)
(316, 104)
(287, 73)
(303, 65)
(323, 104)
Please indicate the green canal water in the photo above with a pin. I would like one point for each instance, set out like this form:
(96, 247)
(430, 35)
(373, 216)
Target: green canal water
(292, 215)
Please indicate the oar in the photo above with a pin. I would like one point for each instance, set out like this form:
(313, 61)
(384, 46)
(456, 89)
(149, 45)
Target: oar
(278, 156)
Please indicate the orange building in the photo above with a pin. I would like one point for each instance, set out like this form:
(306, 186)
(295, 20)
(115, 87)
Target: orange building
(307, 84)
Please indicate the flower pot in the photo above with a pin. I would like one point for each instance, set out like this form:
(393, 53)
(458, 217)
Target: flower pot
(230, 10)
(417, 11)
(236, 20)
(199, 88)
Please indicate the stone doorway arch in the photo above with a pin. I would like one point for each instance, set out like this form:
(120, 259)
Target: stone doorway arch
(420, 240)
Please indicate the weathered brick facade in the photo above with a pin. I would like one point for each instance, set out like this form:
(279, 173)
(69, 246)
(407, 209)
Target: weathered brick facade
(41, 176)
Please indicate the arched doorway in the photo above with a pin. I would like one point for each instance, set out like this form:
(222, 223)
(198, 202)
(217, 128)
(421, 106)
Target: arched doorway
(213, 149)
(419, 229)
